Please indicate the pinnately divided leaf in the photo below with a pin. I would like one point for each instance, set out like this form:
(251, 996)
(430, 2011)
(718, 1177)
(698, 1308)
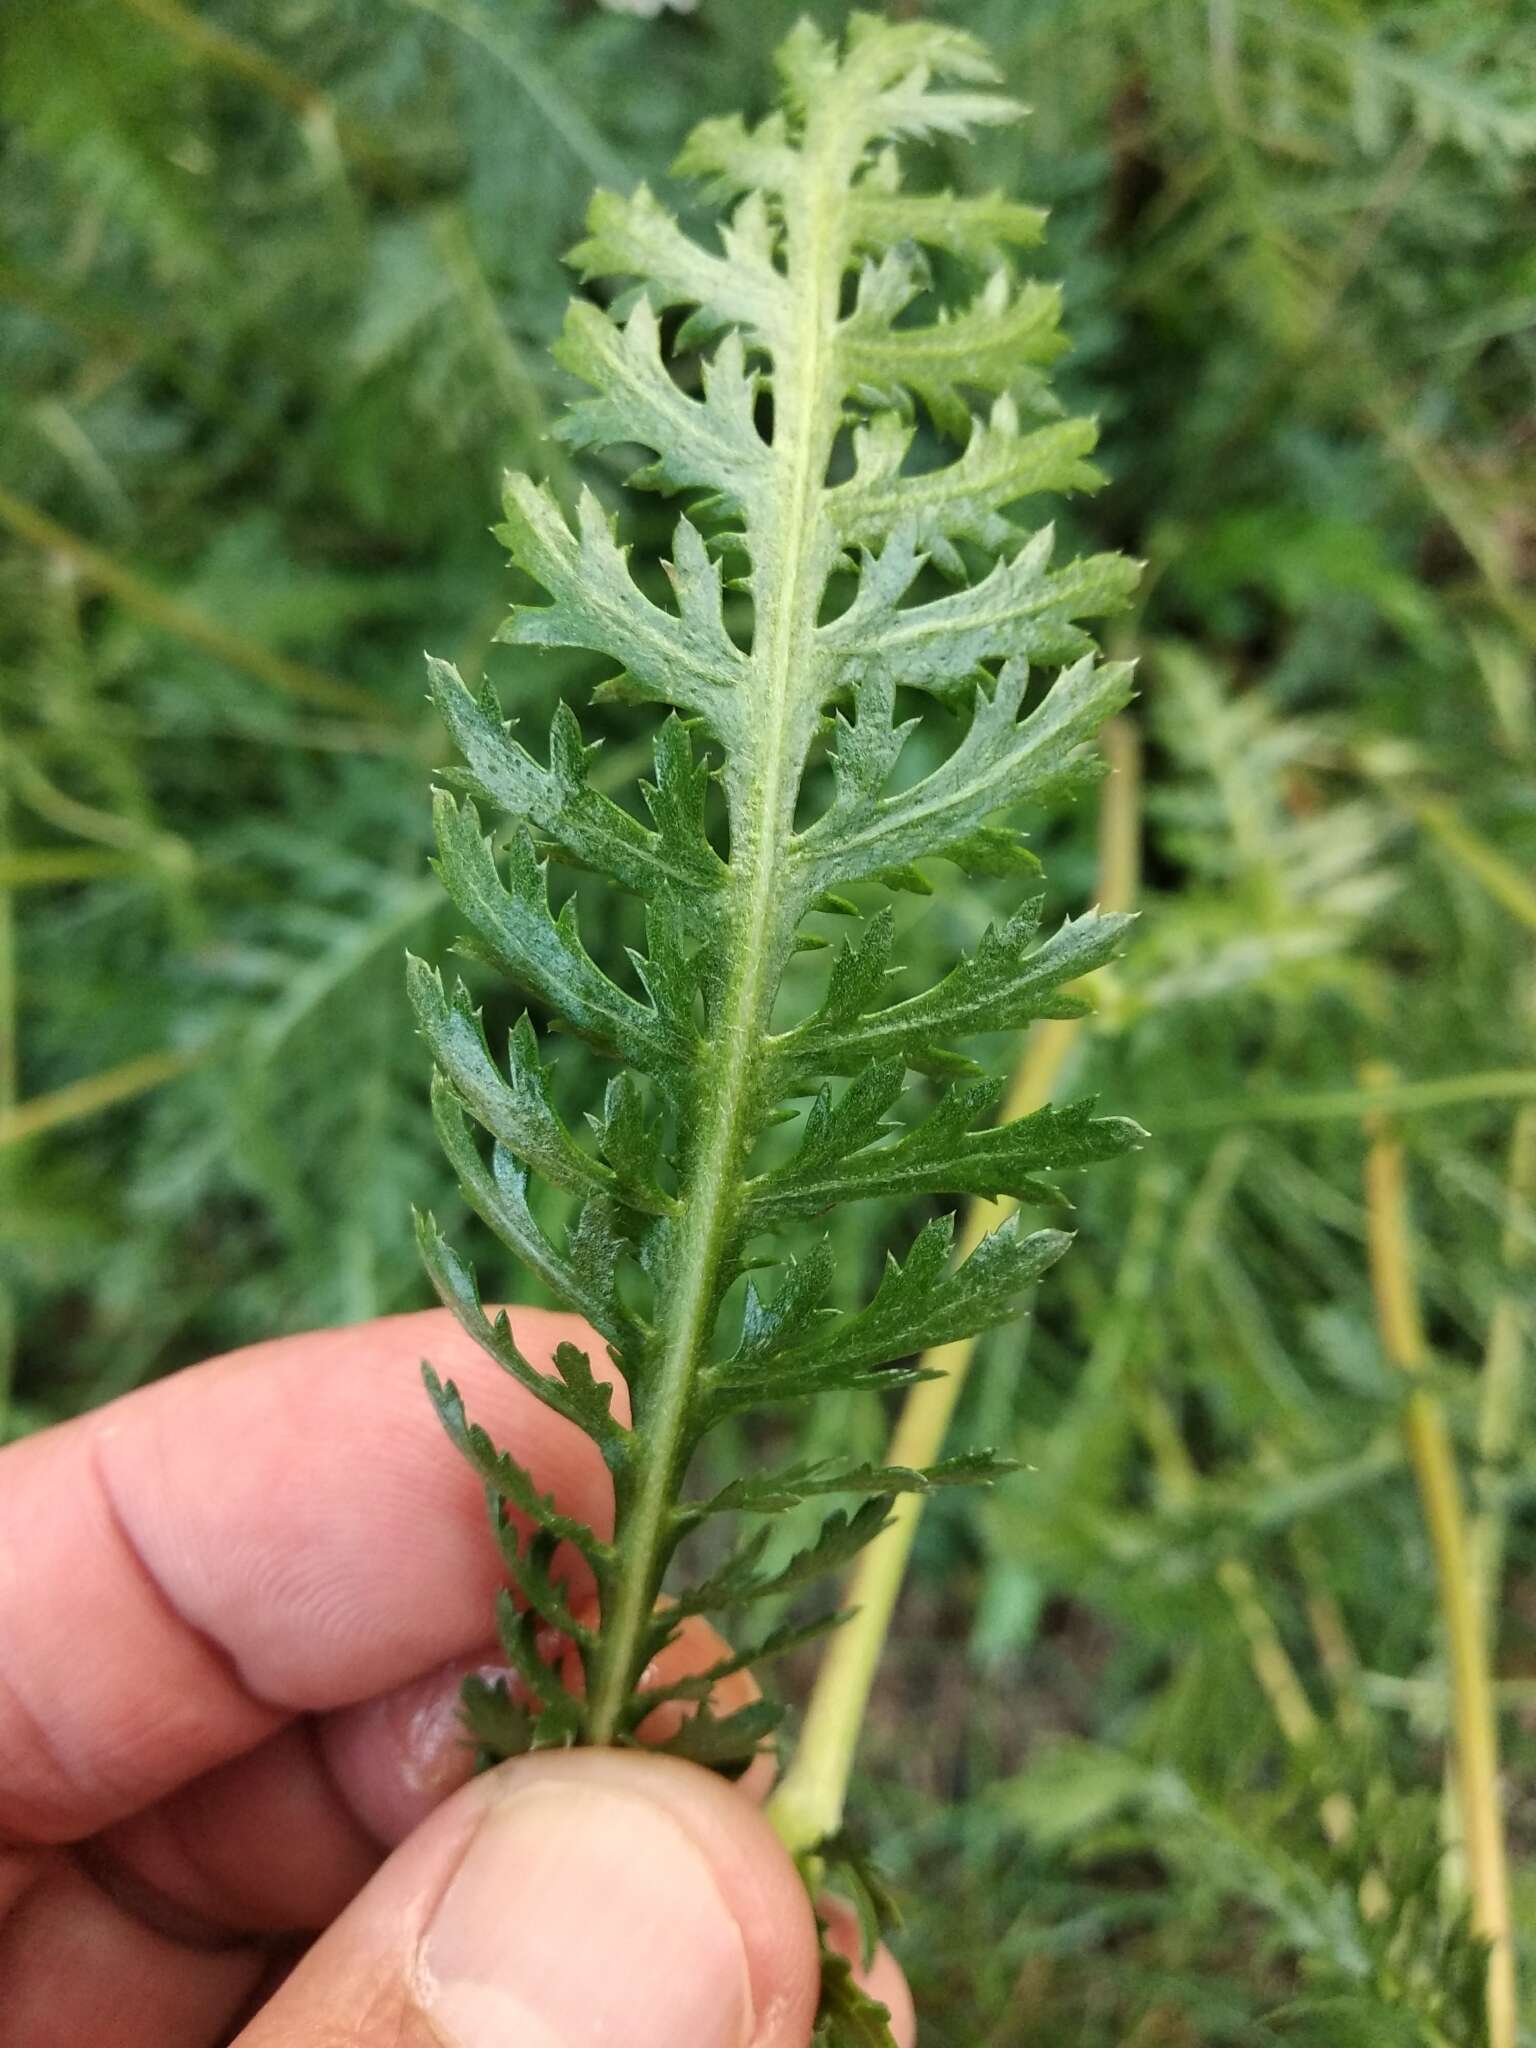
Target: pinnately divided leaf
(856, 460)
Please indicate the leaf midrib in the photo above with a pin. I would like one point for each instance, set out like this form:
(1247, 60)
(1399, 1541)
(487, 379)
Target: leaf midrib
(804, 425)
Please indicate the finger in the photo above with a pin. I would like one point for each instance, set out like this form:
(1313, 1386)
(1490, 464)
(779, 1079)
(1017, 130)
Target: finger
(164, 1903)
(567, 1901)
(885, 1981)
(396, 1757)
(882, 1977)
(285, 1530)
(264, 1845)
(76, 1967)
(281, 1839)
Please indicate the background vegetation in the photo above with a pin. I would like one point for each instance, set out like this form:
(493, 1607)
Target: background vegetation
(1158, 1749)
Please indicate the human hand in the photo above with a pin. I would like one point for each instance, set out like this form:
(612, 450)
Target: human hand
(235, 1608)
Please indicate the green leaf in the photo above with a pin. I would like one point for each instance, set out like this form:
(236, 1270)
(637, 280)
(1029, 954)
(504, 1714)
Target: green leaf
(919, 1303)
(726, 1743)
(631, 1144)
(770, 1493)
(796, 1308)
(840, 1159)
(515, 1107)
(1021, 608)
(728, 158)
(540, 953)
(990, 345)
(522, 1633)
(510, 1481)
(632, 234)
(743, 367)
(847, 2017)
(882, 83)
(499, 1194)
(499, 1725)
(579, 1399)
(850, 1872)
(1005, 983)
(739, 1580)
(560, 803)
(1000, 764)
(543, 1596)
(979, 229)
(962, 500)
(698, 1685)
(686, 659)
(710, 442)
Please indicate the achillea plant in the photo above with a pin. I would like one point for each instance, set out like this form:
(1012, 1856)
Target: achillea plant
(809, 448)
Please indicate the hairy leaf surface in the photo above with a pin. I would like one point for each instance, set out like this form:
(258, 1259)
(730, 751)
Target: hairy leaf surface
(803, 389)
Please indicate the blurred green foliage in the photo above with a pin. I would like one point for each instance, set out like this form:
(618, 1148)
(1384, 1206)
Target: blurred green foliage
(275, 286)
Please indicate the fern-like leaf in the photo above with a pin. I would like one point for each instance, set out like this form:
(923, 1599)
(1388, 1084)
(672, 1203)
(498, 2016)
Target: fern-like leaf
(818, 332)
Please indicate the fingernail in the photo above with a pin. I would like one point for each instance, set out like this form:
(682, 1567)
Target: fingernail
(584, 1915)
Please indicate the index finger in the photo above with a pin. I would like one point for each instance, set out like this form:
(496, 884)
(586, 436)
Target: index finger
(282, 1531)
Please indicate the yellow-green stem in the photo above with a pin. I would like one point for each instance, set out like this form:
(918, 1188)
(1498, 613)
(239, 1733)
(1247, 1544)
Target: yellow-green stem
(1504, 882)
(85, 1098)
(294, 678)
(1502, 1393)
(1273, 1666)
(808, 1806)
(328, 130)
(1474, 1728)
(1330, 1631)
(1325, 1105)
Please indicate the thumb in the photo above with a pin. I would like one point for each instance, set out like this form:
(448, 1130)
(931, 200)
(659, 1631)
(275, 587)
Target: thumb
(567, 1900)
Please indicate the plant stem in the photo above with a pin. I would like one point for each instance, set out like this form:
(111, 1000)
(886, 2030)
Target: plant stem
(1330, 1631)
(1504, 882)
(492, 29)
(326, 129)
(1323, 1105)
(41, 867)
(294, 678)
(522, 402)
(79, 1099)
(785, 596)
(1474, 1729)
(1273, 1667)
(1503, 1389)
(219, 49)
(808, 1806)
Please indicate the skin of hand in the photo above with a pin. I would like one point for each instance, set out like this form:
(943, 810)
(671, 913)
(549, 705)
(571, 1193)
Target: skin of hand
(235, 1802)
